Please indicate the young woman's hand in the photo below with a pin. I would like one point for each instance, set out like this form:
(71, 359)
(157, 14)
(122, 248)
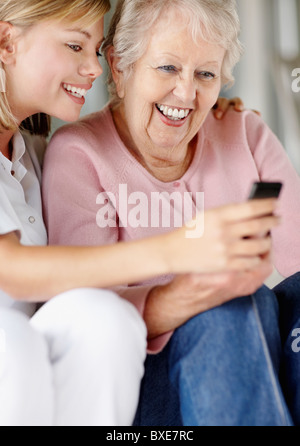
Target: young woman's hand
(223, 105)
(228, 238)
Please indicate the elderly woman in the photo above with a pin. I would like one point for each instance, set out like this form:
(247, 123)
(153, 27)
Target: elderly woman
(147, 162)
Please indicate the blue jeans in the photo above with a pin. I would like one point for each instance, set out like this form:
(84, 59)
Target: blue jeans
(288, 294)
(221, 368)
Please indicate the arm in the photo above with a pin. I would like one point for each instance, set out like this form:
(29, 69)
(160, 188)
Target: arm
(273, 164)
(38, 273)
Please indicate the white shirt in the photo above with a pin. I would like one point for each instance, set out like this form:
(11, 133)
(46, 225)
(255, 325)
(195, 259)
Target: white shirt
(20, 200)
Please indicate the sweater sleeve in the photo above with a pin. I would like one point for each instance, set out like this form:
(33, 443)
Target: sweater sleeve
(72, 192)
(273, 164)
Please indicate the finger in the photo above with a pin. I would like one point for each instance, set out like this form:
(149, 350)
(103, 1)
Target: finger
(237, 104)
(244, 263)
(221, 106)
(249, 209)
(252, 247)
(259, 227)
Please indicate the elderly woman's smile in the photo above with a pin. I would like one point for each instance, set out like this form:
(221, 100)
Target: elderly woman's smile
(177, 115)
(168, 95)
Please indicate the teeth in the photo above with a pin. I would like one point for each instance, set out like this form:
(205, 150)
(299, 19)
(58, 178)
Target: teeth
(173, 113)
(77, 92)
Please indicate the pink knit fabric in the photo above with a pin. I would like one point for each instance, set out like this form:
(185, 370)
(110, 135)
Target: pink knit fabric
(88, 158)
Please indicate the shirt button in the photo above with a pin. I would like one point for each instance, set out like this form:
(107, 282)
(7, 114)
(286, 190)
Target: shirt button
(31, 220)
(176, 184)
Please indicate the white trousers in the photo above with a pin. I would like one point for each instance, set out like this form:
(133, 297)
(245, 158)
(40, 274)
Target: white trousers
(77, 362)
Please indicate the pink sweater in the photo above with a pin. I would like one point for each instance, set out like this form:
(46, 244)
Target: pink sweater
(87, 158)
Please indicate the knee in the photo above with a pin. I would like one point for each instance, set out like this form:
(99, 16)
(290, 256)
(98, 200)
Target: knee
(232, 322)
(93, 316)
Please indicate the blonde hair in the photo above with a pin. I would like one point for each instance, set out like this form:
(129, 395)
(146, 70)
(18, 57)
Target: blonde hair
(216, 21)
(26, 13)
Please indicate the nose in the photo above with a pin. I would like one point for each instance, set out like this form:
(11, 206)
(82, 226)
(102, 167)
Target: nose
(91, 68)
(185, 89)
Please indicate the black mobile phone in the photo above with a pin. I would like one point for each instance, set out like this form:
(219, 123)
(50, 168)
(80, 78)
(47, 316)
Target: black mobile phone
(265, 190)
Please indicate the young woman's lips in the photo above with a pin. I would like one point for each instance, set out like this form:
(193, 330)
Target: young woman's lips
(171, 122)
(76, 92)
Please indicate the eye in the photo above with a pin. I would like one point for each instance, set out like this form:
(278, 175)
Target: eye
(206, 75)
(75, 48)
(167, 68)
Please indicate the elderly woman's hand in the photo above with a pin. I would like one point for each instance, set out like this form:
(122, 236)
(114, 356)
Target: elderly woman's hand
(169, 306)
(232, 258)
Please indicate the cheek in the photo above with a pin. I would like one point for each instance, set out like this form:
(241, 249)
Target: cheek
(46, 78)
(207, 97)
(153, 89)
(139, 105)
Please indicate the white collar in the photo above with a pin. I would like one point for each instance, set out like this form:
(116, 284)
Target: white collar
(19, 149)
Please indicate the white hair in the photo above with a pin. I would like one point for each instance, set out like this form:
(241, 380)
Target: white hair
(215, 21)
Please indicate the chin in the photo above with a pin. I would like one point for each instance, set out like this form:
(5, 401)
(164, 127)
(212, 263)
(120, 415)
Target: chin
(167, 143)
(64, 112)
(68, 117)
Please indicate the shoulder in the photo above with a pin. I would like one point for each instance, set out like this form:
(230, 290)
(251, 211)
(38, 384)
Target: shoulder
(87, 131)
(234, 128)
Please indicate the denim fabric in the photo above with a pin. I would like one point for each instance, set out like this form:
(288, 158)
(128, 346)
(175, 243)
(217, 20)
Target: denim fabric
(288, 294)
(220, 369)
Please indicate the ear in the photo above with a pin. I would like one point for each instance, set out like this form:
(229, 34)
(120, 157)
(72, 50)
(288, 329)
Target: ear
(7, 42)
(117, 75)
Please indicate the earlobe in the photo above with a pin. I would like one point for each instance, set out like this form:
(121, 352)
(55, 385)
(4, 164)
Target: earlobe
(7, 46)
(117, 75)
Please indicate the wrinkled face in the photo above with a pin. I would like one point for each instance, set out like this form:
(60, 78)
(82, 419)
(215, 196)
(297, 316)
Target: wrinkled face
(170, 91)
(55, 64)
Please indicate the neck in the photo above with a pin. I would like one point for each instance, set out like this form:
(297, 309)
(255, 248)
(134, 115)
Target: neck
(167, 168)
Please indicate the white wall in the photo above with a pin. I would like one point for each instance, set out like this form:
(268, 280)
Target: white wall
(270, 34)
(253, 82)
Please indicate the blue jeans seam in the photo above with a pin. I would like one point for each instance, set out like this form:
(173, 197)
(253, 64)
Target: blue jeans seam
(269, 361)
